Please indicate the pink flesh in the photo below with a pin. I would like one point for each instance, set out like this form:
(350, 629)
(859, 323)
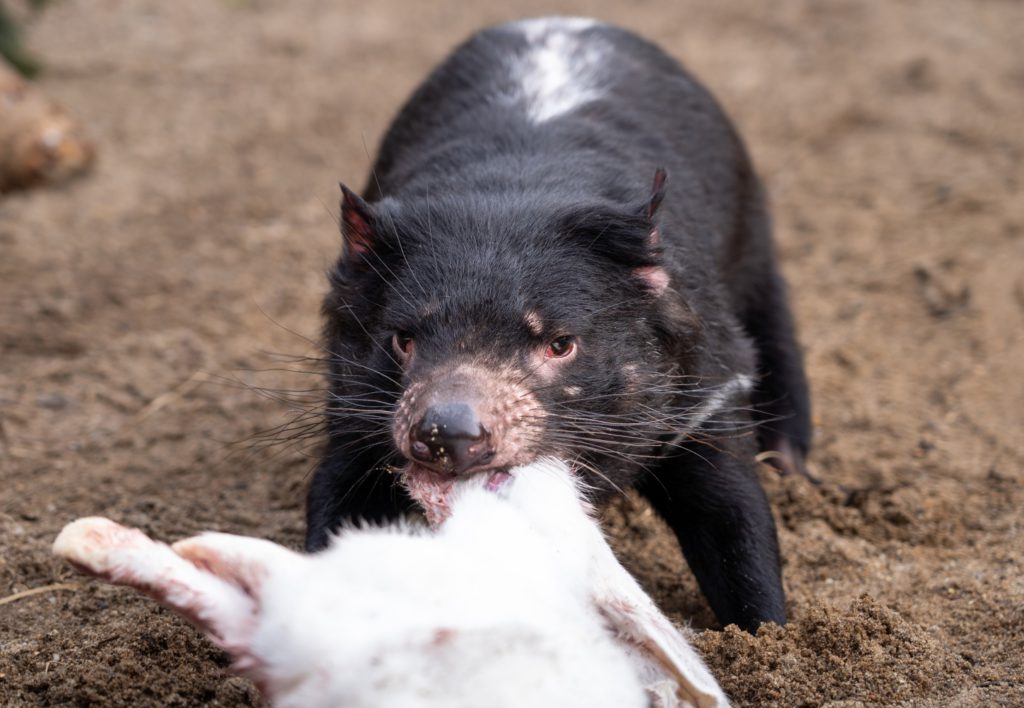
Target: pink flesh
(497, 480)
(432, 489)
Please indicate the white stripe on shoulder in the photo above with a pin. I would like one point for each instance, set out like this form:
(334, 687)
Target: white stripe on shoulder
(737, 385)
(560, 70)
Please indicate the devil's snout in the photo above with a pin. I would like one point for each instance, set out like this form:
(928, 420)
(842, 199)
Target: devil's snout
(450, 437)
(468, 419)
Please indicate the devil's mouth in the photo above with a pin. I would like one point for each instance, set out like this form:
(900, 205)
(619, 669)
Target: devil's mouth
(433, 489)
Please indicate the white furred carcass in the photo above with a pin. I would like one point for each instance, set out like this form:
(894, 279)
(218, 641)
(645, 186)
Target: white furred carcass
(514, 600)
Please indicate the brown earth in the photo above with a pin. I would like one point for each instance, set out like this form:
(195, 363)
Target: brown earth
(135, 303)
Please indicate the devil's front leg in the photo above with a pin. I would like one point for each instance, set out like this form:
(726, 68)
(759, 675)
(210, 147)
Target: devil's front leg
(351, 483)
(710, 496)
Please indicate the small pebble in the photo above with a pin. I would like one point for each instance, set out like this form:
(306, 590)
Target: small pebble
(52, 401)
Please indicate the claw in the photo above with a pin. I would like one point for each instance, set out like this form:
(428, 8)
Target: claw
(787, 460)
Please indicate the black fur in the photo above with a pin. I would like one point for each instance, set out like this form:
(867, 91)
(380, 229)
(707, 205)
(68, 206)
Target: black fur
(477, 214)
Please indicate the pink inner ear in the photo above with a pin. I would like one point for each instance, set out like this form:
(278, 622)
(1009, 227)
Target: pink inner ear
(355, 225)
(656, 278)
(357, 232)
(657, 191)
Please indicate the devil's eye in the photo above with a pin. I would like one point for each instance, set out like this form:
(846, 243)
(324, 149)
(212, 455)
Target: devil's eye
(561, 347)
(402, 343)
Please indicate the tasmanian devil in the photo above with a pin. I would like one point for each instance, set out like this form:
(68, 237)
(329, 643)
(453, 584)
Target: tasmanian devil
(563, 250)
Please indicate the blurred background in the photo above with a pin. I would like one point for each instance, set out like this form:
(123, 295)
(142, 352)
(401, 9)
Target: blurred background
(160, 286)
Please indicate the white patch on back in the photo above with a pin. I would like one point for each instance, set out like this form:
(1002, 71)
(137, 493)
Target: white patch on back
(559, 71)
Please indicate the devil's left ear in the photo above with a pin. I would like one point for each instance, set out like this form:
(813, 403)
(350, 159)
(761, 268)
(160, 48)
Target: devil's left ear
(657, 192)
(656, 277)
(627, 235)
(357, 227)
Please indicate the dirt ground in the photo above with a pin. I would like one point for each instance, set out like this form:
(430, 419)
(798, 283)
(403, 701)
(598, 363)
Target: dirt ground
(139, 307)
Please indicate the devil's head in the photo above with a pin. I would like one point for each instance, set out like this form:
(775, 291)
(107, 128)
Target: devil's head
(475, 334)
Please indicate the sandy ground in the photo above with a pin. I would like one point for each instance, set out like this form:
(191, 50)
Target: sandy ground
(135, 303)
